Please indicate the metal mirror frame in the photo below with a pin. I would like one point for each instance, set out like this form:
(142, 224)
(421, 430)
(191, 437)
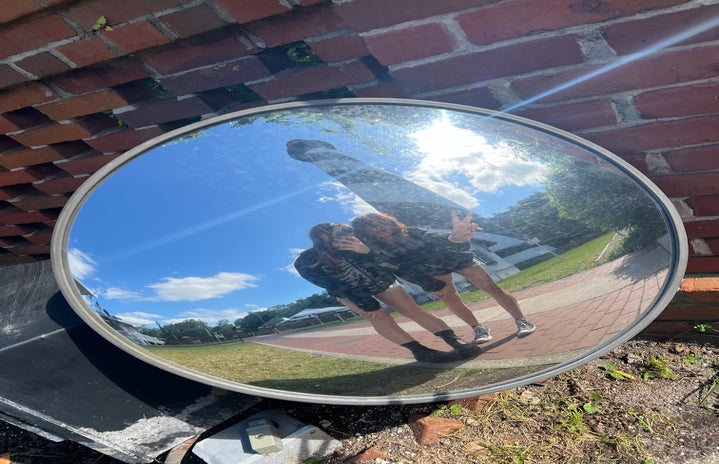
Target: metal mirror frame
(61, 269)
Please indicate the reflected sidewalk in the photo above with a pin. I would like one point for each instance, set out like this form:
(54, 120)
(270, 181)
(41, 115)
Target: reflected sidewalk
(572, 315)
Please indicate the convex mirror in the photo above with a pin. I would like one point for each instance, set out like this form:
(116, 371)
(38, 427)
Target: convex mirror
(182, 250)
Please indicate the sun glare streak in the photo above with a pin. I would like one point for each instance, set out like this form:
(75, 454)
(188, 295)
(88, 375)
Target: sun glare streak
(668, 42)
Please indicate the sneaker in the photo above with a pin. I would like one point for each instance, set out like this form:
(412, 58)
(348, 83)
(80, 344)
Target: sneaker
(524, 327)
(481, 334)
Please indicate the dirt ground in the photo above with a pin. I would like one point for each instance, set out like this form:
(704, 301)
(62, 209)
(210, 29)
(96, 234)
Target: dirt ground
(646, 402)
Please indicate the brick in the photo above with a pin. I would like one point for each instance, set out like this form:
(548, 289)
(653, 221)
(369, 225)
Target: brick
(13, 9)
(313, 79)
(7, 144)
(679, 312)
(25, 217)
(122, 139)
(30, 249)
(193, 21)
(40, 237)
(82, 105)
(480, 97)
(221, 75)
(48, 154)
(400, 45)
(384, 89)
(42, 65)
(33, 34)
(11, 260)
(653, 71)
(59, 185)
(366, 15)
(9, 230)
(688, 185)
(23, 176)
(22, 119)
(520, 19)
(702, 229)
(135, 37)
(171, 109)
(251, 10)
(660, 135)
(491, 64)
(13, 191)
(694, 159)
(100, 77)
(639, 161)
(52, 133)
(38, 202)
(680, 101)
(713, 245)
(86, 51)
(705, 206)
(574, 116)
(430, 429)
(634, 36)
(86, 13)
(339, 48)
(301, 24)
(704, 264)
(371, 454)
(86, 164)
(193, 55)
(24, 96)
(9, 76)
(701, 289)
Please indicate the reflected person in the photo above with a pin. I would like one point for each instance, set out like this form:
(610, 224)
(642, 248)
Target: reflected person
(428, 259)
(358, 282)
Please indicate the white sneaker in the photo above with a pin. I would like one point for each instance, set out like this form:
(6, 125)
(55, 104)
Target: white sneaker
(481, 334)
(524, 327)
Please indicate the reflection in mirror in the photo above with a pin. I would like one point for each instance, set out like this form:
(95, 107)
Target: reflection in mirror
(363, 251)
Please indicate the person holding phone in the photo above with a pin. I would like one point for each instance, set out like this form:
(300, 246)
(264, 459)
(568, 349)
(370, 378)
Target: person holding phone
(344, 266)
(428, 259)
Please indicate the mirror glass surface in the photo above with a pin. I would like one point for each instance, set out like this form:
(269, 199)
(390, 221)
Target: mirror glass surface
(181, 251)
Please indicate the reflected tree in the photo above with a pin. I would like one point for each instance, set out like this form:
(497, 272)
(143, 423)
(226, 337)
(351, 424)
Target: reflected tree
(604, 200)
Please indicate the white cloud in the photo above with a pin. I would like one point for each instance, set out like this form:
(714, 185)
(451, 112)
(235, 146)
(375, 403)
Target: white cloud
(347, 199)
(138, 318)
(201, 288)
(290, 268)
(210, 316)
(81, 264)
(116, 293)
(459, 162)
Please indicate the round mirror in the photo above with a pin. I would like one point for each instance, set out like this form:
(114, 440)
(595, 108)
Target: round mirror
(368, 251)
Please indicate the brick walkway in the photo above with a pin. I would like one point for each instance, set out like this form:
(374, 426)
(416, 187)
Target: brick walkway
(572, 315)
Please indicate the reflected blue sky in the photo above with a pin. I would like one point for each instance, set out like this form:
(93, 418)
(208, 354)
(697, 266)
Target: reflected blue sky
(208, 227)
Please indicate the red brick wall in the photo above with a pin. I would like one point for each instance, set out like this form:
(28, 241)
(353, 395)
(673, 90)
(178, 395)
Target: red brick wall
(64, 86)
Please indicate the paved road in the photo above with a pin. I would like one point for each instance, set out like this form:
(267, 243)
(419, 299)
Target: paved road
(572, 315)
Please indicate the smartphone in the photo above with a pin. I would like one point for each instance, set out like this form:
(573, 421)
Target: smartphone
(342, 231)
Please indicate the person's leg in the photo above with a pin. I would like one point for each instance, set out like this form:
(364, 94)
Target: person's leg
(398, 298)
(387, 327)
(382, 322)
(482, 280)
(451, 298)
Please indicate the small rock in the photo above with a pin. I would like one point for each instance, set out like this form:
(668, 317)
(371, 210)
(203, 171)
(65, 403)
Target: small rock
(371, 454)
(475, 403)
(324, 423)
(633, 359)
(474, 447)
(429, 429)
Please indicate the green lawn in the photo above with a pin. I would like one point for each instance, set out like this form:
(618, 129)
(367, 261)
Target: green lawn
(573, 261)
